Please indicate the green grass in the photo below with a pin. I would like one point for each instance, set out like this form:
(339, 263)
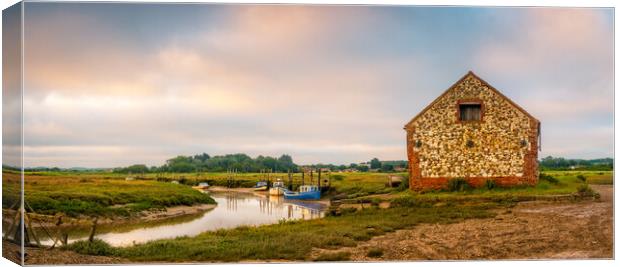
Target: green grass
(90, 195)
(97, 247)
(560, 183)
(375, 253)
(294, 240)
(107, 194)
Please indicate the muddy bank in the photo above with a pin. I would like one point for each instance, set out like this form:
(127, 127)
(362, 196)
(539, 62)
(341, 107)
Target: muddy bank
(530, 230)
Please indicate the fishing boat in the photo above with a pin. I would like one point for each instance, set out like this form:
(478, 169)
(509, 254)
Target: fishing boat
(277, 189)
(203, 185)
(305, 192)
(260, 186)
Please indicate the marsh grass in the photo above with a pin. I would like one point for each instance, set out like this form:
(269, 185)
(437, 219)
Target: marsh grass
(96, 247)
(95, 196)
(294, 240)
(108, 194)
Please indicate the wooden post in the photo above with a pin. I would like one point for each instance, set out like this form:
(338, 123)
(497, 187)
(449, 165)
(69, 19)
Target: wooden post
(30, 230)
(302, 176)
(319, 178)
(329, 179)
(15, 219)
(60, 234)
(290, 180)
(91, 237)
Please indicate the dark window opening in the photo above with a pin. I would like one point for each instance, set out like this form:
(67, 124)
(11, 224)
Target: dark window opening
(470, 112)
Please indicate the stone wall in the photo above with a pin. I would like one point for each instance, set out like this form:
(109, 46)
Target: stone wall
(501, 147)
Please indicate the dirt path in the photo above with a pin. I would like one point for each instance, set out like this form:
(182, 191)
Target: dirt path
(528, 231)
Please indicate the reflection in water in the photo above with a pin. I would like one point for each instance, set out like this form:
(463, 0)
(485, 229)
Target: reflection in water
(233, 209)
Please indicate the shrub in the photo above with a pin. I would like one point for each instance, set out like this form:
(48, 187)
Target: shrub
(184, 180)
(585, 190)
(549, 178)
(404, 185)
(337, 256)
(457, 185)
(490, 184)
(97, 247)
(375, 253)
(404, 201)
(338, 177)
(350, 210)
(581, 178)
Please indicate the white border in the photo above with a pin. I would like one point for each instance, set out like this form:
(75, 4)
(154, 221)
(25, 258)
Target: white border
(523, 3)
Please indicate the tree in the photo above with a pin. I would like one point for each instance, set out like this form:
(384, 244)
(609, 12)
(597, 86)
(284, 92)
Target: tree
(202, 157)
(387, 168)
(375, 163)
(362, 168)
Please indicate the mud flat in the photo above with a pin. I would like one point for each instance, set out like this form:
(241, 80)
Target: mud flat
(530, 230)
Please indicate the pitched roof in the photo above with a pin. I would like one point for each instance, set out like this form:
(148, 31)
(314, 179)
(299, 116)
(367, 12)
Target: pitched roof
(470, 73)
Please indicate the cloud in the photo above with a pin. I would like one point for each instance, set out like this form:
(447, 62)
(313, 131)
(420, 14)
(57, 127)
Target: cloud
(558, 65)
(325, 84)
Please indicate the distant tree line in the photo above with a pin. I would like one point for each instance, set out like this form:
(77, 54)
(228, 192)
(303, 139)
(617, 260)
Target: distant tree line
(373, 165)
(244, 163)
(551, 163)
(203, 163)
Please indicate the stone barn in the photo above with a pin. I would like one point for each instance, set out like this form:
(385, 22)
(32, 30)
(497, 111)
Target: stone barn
(474, 132)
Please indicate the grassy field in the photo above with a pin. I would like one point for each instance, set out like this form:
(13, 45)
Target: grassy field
(292, 240)
(566, 182)
(107, 194)
(99, 195)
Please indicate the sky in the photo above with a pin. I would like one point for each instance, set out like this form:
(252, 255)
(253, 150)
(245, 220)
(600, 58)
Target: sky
(109, 85)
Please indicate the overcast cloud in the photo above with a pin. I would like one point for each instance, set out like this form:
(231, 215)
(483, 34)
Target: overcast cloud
(116, 84)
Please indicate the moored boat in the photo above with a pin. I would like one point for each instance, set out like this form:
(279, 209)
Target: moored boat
(203, 185)
(277, 189)
(305, 192)
(260, 186)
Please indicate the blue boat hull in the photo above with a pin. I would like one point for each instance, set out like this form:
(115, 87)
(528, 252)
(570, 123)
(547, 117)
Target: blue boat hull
(302, 195)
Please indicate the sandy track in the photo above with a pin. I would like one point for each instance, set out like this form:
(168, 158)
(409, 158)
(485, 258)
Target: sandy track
(561, 230)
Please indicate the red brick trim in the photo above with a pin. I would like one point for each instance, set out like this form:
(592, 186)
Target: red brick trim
(439, 183)
(530, 160)
(469, 101)
(414, 161)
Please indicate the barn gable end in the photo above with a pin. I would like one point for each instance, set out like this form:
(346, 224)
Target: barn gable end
(498, 141)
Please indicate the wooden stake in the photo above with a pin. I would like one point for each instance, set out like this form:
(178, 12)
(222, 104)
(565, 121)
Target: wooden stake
(32, 233)
(91, 237)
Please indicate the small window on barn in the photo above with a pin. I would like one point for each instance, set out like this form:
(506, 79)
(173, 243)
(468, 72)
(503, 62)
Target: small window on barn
(470, 111)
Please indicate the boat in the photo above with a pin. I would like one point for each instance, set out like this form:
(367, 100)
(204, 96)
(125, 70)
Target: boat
(203, 185)
(305, 192)
(277, 189)
(260, 186)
